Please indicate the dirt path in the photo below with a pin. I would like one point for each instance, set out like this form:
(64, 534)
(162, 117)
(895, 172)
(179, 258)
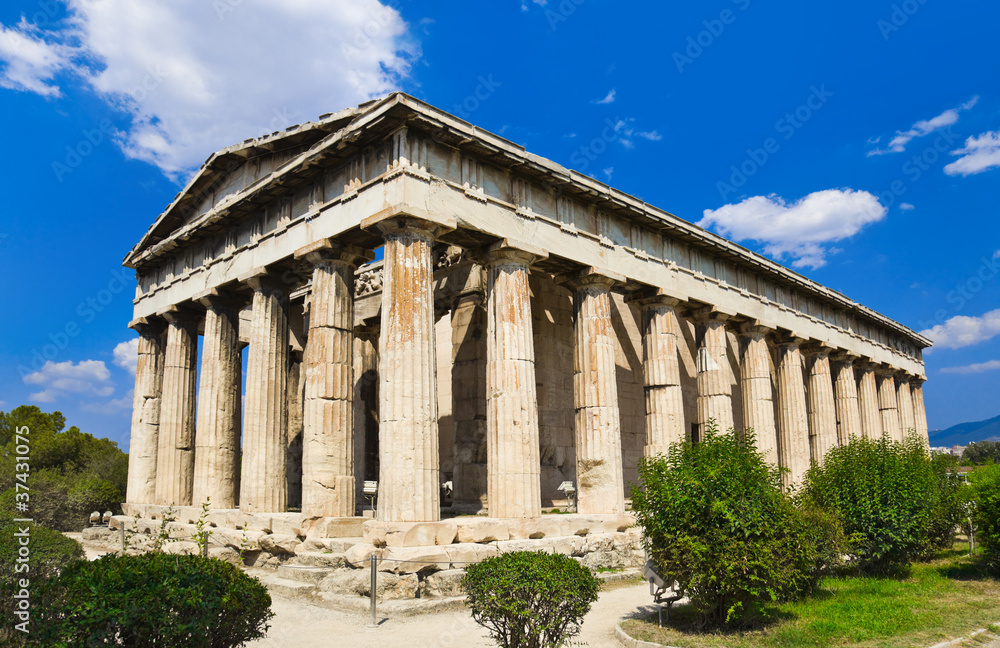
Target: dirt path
(302, 626)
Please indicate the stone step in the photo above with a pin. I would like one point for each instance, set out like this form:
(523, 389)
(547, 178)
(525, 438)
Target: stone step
(319, 559)
(290, 588)
(340, 545)
(304, 573)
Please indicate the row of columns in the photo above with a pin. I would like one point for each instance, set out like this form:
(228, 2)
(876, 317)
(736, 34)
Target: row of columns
(177, 459)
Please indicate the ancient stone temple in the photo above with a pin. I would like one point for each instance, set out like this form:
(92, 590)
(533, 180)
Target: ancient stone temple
(391, 294)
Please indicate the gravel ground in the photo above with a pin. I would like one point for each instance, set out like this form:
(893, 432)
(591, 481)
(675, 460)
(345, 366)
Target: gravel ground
(302, 626)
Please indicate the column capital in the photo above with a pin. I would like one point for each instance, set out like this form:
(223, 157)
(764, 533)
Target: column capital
(511, 250)
(589, 277)
(182, 314)
(903, 376)
(885, 370)
(218, 298)
(151, 325)
(706, 314)
(649, 297)
(266, 279)
(395, 222)
(815, 348)
(844, 357)
(755, 328)
(789, 339)
(367, 331)
(328, 250)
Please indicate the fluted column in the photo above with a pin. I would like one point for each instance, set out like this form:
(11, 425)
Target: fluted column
(793, 423)
(919, 412)
(600, 487)
(758, 390)
(904, 401)
(871, 419)
(468, 393)
(365, 407)
(146, 414)
(715, 393)
(175, 450)
(513, 464)
(846, 393)
(328, 487)
(888, 408)
(296, 413)
(661, 373)
(822, 409)
(263, 482)
(409, 474)
(217, 438)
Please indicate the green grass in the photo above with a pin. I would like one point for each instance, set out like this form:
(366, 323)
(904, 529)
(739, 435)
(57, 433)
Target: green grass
(942, 599)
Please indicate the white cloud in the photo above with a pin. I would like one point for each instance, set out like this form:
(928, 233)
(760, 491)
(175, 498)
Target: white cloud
(113, 406)
(923, 127)
(978, 367)
(979, 154)
(963, 330)
(196, 76)
(607, 173)
(906, 206)
(608, 98)
(996, 255)
(799, 229)
(89, 377)
(652, 136)
(127, 355)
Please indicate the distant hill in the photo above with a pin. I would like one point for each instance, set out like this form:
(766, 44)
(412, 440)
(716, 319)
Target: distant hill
(965, 433)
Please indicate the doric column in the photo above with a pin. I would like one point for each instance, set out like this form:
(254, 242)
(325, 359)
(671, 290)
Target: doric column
(793, 423)
(871, 419)
(146, 413)
(328, 487)
(365, 407)
(661, 372)
(904, 401)
(263, 478)
(217, 438)
(822, 410)
(888, 409)
(409, 476)
(919, 412)
(715, 394)
(846, 394)
(758, 390)
(512, 451)
(600, 487)
(175, 450)
(296, 414)
(468, 395)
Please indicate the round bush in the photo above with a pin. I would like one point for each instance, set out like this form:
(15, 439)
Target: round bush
(50, 552)
(884, 493)
(717, 524)
(986, 495)
(152, 599)
(530, 600)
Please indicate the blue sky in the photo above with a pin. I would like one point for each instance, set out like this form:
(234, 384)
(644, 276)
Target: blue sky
(858, 142)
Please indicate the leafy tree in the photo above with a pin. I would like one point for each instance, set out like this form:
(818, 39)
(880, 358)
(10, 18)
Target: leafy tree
(986, 496)
(950, 500)
(981, 452)
(717, 524)
(530, 600)
(151, 599)
(884, 494)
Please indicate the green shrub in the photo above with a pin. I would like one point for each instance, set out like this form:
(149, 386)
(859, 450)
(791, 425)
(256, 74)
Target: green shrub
(94, 494)
(950, 500)
(151, 599)
(717, 523)
(530, 600)
(884, 493)
(986, 496)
